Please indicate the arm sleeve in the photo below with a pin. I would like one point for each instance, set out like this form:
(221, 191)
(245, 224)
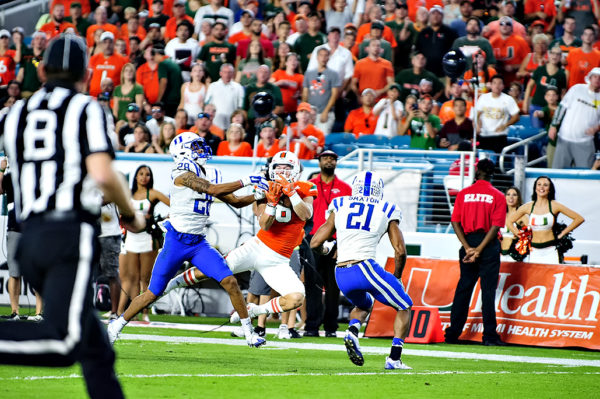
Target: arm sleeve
(95, 129)
(457, 211)
(499, 211)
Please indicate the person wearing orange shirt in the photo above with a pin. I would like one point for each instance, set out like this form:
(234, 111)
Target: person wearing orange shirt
(178, 16)
(107, 64)
(375, 14)
(362, 120)
(305, 139)
(447, 110)
(57, 25)
(147, 76)
(234, 145)
(268, 145)
(581, 60)
(85, 6)
(101, 19)
(373, 72)
(246, 19)
(133, 28)
(510, 50)
(413, 6)
(8, 59)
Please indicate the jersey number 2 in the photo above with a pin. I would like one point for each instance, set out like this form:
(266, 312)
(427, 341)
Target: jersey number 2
(354, 221)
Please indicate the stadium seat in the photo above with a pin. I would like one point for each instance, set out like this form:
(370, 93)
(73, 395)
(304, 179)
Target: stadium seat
(515, 131)
(400, 141)
(339, 138)
(343, 149)
(373, 139)
(525, 121)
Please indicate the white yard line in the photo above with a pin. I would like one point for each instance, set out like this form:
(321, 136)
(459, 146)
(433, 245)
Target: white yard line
(372, 350)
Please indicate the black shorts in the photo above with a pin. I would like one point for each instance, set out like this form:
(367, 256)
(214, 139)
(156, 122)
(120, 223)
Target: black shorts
(110, 247)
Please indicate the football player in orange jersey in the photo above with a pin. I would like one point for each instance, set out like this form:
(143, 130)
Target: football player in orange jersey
(282, 215)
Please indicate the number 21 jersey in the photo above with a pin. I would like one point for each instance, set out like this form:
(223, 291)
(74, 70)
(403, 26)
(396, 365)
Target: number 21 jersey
(360, 222)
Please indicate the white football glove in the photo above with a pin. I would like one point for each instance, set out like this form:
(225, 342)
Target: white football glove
(326, 247)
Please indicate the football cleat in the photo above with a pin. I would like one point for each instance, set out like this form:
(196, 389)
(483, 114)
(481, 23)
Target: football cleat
(395, 364)
(255, 341)
(283, 332)
(113, 332)
(238, 332)
(353, 349)
(235, 317)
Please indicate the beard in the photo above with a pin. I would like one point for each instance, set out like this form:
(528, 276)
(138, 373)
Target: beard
(329, 170)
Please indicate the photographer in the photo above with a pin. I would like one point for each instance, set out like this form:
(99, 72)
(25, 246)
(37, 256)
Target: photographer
(421, 124)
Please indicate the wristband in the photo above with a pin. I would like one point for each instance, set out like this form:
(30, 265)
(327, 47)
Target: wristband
(2, 170)
(270, 210)
(295, 199)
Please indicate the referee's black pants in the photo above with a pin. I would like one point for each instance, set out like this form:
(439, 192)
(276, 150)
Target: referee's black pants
(322, 274)
(56, 258)
(486, 267)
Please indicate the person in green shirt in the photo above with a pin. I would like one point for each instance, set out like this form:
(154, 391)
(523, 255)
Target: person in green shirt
(473, 42)
(410, 78)
(28, 75)
(421, 125)
(218, 52)
(405, 35)
(169, 78)
(263, 74)
(551, 96)
(127, 92)
(246, 70)
(306, 42)
(81, 24)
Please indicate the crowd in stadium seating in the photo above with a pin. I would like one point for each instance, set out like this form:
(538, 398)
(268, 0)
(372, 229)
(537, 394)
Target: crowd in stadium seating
(367, 67)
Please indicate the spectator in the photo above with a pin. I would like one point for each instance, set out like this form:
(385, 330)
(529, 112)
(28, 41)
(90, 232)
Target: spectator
(585, 13)
(147, 76)
(305, 140)
(193, 93)
(77, 18)
(125, 128)
(181, 121)
(157, 16)
(106, 64)
(405, 35)
(268, 145)
(301, 23)
(389, 112)
(158, 119)
(142, 140)
(289, 81)
(83, 4)
(13, 94)
(457, 129)
(166, 135)
(568, 40)
(153, 36)
(101, 19)
(435, 40)
(446, 112)
(321, 88)
(459, 25)
(283, 32)
(263, 74)
(243, 27)
(373, 72)
(202, 128)
(359, 50)
(544, 11)
(421, 19)
(211, 110)
(515, 90)
(509, 8)
(234, 145)
(240, 117)
(247, 68)
(217, 52)
(256, 34)
(133, 28)
(136, 55)
(473, 43)
(226, 95)
(169, 80)
(496, 111)
(183, 50)
(510, 49)
(8, 59)
(306, 42)
(212, 13)
(57, 24)
(340, 15)
(340, 58)
(178, 16)
(410, 78)
(127, 92)
(362, 120)
(421, 125)
(581, 60)
(536, 58)
(575, 123)
(28, 71)
(375, 14)
(545, 115)
(484, 74)
(549, 75)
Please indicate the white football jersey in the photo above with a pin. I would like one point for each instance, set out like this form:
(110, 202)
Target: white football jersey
(190, 210)
(360, 222)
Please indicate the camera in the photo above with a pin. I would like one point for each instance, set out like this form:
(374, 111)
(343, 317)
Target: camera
(415, 107)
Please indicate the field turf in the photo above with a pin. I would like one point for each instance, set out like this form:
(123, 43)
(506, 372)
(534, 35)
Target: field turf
(175, 363)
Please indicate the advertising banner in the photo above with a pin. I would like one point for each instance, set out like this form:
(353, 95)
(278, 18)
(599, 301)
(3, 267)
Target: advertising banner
(541, 305)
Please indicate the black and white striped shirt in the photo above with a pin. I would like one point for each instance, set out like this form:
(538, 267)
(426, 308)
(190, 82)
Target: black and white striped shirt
(47, 139)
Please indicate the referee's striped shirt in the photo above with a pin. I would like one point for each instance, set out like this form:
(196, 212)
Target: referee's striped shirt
(47, 138)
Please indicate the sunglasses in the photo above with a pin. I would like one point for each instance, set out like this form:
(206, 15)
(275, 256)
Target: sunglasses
(203, 115)
(157, 111)
(505, 23)
(132, 109)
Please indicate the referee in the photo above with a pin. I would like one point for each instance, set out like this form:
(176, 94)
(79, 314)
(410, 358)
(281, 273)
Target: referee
(61, 156)
(479, 212)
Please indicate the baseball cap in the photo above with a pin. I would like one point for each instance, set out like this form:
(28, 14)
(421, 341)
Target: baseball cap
(107, 35)
(75, 5)
(18, 29)
(377, 25)
(179, 3)
(133, 107)
(594, 71)
(401, 4)
(506, 20)
(4, 33)
(304, 107)
(437, 8)
(300, 16)
(505, 2)
(425, 82)
(327, 153)
(203, 115)
(466, 1)
(66, 52)
(367, 91)
(249, 12)
(154, 25)
(143, 14)
(350, 25)
(396, 86)
(303, 2)
(268, 123)
(334, 29)
(539, 22)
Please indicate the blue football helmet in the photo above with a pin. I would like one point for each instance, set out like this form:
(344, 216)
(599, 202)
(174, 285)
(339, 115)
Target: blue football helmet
(188, 145)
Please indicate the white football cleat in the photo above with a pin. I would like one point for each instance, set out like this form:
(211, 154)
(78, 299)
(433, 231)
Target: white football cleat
(113, 332)
(238, 332)
(353, 349)
(283, 332)
(255, 341)
(235, 317)
(395, 364)
(172, 284)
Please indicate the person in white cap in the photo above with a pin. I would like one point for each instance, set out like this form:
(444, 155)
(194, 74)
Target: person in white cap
(212, 12)
(8, 59)
(435, 40)
(575, 122)
(106, 64)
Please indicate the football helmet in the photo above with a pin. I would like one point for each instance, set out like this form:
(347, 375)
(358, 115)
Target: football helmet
(366, 184)
(454, 63)
(285, 158)
(188, 145)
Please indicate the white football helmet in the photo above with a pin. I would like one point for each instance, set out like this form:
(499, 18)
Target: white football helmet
(188, 145)
(285, 158)
(366, 184)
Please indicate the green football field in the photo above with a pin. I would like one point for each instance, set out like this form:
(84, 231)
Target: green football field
(155, 362)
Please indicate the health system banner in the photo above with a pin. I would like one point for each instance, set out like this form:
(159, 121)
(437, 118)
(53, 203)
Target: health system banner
(541, 305)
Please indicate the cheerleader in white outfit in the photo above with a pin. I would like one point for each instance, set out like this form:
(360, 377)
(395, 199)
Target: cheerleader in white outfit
(513, 202)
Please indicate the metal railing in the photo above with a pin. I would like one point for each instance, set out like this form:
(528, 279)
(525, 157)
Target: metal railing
(525, 143)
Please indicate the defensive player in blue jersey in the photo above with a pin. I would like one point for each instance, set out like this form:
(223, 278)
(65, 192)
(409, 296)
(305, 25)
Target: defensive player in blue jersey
(360, 220)
(192, 195)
